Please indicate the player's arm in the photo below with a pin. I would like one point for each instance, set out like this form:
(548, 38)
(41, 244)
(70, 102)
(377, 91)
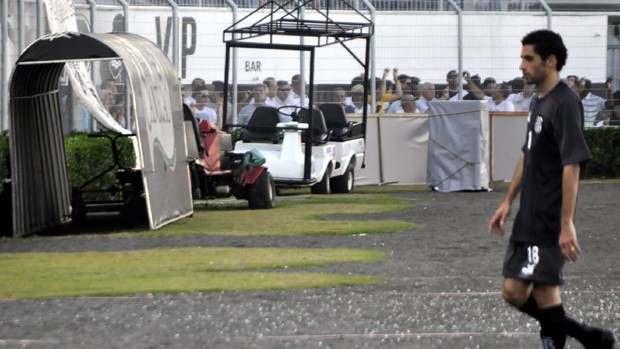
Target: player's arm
(568, 234)
(496, 225)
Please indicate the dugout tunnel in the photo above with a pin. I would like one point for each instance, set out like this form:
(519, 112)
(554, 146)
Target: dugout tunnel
(41, 194)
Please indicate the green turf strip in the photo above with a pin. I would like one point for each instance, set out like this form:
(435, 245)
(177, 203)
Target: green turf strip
(195, 269)
(303, 216)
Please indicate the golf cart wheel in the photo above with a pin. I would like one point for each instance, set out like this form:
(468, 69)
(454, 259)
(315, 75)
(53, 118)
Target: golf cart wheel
(134, 211)
(323, 187)
(78, 208)
(345, 183)
(262, 193)
(196, 183)
(78, 215)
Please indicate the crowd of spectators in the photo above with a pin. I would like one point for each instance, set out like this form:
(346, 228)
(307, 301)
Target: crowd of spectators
(114, 102)
(402, 94)
(597, 110)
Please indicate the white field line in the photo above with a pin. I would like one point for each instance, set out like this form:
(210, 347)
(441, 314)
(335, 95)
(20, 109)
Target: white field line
(23, 342)
(361, 336)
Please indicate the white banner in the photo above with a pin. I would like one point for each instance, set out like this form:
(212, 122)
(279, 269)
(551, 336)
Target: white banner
(61, 19)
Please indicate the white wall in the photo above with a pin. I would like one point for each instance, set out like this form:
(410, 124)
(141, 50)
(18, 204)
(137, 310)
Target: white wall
(423, 44)
(420, 44)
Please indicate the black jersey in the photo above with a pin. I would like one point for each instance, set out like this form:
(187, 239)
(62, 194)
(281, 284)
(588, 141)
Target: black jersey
(554, 139)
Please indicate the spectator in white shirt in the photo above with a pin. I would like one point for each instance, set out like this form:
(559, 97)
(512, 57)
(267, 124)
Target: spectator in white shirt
(521, 95)
(340, 96)
(259, 92)
(201, 110)
(407, 105)
(295, 93)
(594, 107)
(357, 98)
(427, 91)
(272, 87)
(500, 103)
(283, 102)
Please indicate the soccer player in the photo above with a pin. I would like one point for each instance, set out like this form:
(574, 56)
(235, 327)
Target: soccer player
(547, 176)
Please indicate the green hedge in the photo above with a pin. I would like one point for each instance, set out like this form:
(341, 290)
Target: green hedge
(87, 157)
(604, 143)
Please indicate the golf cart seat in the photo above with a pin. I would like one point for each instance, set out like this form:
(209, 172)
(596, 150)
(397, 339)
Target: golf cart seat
(336, 119)
(196, 146)
(341, 128)
(262, 126)
(320, 132)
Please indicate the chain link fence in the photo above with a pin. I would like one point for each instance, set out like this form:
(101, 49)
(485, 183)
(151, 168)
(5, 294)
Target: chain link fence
(424, 39)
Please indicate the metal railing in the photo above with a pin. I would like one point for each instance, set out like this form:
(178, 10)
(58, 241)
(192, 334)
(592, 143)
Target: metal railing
(23, 21)
(379, 5)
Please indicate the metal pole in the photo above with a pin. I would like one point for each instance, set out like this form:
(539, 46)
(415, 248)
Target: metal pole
(4, 66)
(234, 8)
(225, 106)
(125, 5)
(373, 55)
(302, 63)
(39, 18)
(93, 16)
(459, 12)
(22, 26)
(128, 109)
(92, 70)
(310, 131)
(549, 11)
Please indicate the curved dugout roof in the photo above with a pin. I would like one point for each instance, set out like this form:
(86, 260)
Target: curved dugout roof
(70, 46)
(41, 193)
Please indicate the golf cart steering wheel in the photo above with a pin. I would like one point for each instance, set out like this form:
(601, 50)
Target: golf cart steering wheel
(286, 111)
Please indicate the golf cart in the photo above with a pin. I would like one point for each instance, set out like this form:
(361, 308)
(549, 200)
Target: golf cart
(337, 146)
(125, 196)
(218, 171)
(322, 151)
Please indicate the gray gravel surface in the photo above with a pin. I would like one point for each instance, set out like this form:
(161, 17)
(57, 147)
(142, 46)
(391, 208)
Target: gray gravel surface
(441, 289)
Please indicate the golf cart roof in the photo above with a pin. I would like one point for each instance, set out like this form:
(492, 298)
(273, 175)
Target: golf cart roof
(289, 19)
(272, 25)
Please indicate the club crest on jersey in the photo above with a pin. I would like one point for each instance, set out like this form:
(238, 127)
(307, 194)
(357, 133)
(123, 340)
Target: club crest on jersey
(538, 124)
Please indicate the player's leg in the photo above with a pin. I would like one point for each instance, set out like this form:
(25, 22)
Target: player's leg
(532, 285)
(514, 292)
(517, 293)
(551, 315)
(545, 303)
(591, 337)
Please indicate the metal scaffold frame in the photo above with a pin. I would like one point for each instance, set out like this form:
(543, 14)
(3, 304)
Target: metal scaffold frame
(288, 19)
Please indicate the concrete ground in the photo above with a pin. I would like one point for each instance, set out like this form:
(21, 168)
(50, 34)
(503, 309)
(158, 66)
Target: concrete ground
(441, 290)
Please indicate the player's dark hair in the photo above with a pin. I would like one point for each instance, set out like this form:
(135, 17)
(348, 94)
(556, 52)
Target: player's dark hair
(547, 43)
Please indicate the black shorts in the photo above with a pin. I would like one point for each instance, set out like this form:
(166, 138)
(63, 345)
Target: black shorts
(537, 264)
